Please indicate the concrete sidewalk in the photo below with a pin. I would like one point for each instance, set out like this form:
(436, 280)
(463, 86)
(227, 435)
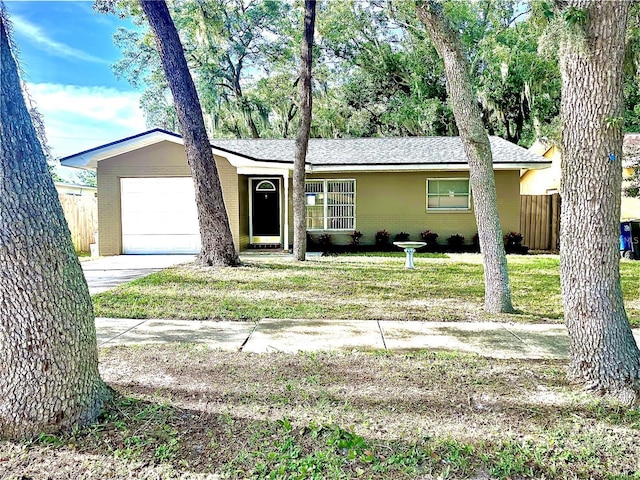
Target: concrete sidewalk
(496, 340)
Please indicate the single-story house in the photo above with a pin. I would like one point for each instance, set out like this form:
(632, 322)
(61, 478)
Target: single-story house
(146, 198)
(547, 181)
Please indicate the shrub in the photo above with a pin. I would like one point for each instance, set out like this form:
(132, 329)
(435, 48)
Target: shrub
(455, 240)
(513, 243)
(312, 243)
(355, 237)
(382, 238)
(513, 239)
(325, 240)
(429, 237)
(476, 242)
(402, 237)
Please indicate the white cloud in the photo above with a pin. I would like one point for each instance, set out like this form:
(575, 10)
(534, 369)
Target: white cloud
(36, 35)
(78, 118)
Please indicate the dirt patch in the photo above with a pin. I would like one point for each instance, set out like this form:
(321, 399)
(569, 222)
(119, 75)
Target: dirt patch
(182, 411)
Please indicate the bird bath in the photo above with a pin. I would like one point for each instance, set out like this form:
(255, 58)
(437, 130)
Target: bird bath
(409, 249)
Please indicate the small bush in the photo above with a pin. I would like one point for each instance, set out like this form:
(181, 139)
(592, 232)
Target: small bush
(402, 237)
(382, 238)
(430, 238)
(476, 242)
(513, 239)
(513, 243)
(355, 237)
(455, 240)
(325, 240)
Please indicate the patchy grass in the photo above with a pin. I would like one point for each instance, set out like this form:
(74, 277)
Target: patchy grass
(349, 287)
(182, 411)
(398, 254)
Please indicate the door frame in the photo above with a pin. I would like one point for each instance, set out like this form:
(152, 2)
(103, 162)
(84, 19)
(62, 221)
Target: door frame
(258, 240)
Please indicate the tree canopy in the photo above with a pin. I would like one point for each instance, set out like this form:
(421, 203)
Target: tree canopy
(376, 72)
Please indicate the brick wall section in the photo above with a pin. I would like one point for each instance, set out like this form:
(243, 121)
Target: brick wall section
(290, 200)
(164, 159)
(243, 202)
(397, 202)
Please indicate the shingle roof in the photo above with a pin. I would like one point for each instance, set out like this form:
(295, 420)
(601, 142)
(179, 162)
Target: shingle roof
(360, 153)
(376, 151)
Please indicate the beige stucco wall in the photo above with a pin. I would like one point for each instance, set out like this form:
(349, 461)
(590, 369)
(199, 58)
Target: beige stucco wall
(397, 202)
(546, 180)
(291, 229)
(243, 202)
(163, 159)
(630, 207)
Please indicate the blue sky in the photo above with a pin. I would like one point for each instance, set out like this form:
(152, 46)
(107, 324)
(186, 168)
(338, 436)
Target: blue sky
(66, 51)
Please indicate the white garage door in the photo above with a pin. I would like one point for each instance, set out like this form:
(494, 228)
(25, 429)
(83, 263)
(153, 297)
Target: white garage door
(159, 215)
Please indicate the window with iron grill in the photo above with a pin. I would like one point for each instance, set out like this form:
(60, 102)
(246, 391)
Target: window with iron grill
(331, 204)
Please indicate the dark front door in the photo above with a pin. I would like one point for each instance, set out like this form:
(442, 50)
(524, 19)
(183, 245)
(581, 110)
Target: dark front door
(265, 219)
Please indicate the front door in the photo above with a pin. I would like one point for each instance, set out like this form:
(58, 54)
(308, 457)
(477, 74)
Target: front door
(265, 211)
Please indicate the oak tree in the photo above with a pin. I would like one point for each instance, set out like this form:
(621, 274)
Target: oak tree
(304, 127)
(49, 376)
(216, 238)
(604, 354)
(477, 148)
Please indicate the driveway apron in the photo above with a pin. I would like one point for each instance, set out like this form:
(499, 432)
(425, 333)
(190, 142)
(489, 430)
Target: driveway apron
(105, 273)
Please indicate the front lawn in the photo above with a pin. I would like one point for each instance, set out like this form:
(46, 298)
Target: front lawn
(349, 287)
(184, 412)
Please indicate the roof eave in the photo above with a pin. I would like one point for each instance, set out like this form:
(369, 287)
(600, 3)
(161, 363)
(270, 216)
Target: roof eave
(417, 167)
(89, 158)
(242, 161)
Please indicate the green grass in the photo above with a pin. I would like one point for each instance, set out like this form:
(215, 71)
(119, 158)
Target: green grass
(394, 254)
(349, 287)
(329, 415)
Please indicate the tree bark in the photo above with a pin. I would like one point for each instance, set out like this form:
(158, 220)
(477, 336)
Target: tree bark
(302, 139)
(478, 151)
(604, 355)
(49, 376)
(217, 242)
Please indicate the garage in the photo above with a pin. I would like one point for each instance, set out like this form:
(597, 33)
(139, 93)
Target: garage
(159, 216)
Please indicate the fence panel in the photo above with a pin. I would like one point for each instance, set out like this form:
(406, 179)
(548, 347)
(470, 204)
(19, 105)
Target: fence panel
(81, 213)
(540, 221)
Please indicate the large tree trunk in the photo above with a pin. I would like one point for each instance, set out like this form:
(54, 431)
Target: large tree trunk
(478, 150)
(49, 376)
(302, 139)
(604, 354)
(215, 233)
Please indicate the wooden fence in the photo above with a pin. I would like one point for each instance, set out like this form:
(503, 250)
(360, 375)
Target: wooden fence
(81, 213)
(540, 221)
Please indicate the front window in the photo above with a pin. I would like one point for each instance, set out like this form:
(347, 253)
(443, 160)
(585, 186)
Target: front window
(331, 204)
(448, 194)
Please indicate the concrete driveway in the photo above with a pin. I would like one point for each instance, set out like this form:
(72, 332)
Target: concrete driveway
(108, 272)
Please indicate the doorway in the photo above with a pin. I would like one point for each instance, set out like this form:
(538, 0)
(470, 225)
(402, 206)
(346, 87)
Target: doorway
(265, 211)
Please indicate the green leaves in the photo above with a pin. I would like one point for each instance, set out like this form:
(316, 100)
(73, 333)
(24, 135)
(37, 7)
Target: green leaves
(376, 73)
(575, 16)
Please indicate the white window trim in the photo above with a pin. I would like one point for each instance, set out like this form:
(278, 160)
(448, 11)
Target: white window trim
(270, 186)
(325, 192)
(440, 209)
